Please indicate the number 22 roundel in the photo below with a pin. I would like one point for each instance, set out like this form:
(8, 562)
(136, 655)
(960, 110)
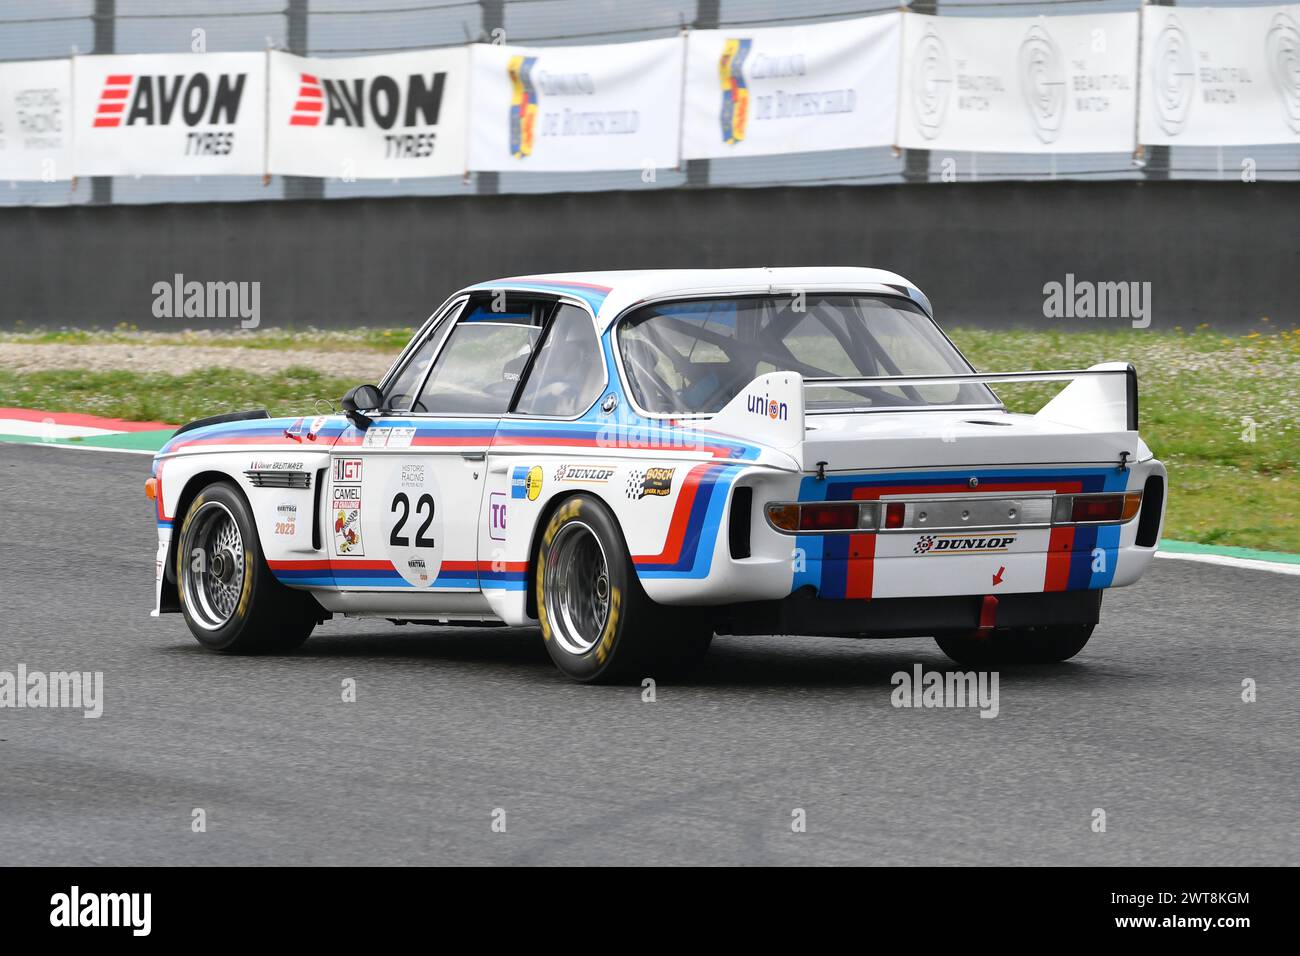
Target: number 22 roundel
(414, 521)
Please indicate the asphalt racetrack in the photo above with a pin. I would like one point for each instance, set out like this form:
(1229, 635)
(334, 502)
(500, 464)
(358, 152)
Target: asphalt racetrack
(452, 724)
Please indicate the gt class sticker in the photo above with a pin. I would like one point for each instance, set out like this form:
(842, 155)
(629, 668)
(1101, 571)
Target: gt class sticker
(347, 469)
(345, 505)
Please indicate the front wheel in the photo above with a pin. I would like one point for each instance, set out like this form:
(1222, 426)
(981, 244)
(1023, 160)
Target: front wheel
(598, 624)
(229, 597)
(1024, 645)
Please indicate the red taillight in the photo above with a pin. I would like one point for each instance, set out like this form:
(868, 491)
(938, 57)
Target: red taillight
(1099, 508)
(828, 517)
(894, 512)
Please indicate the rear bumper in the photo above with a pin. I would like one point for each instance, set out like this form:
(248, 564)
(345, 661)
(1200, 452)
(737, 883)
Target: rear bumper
(904, 617)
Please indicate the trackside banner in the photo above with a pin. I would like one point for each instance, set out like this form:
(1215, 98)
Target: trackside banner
(36, 120)
(174, 114)
(1220, 77)
(1019, 84)
(791, 89)
(373, 117)
(615, 106)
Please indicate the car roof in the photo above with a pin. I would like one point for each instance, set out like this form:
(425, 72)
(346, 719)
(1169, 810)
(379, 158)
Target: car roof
(611, 293)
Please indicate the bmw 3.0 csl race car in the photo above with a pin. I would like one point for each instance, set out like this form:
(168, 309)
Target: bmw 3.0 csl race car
(636, 461)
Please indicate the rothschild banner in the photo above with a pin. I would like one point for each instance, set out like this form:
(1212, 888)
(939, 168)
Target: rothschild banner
(1220, 77)
(36, 120)
(1019, 84)
(173, 114)
(375, 117)
(791, 89)
(615, 106)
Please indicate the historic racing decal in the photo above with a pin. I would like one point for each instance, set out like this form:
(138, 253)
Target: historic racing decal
(414, 522)
(286, 519)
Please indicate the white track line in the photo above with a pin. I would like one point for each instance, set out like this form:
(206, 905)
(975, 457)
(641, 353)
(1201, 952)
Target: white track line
(54, 444)
(1276, 567)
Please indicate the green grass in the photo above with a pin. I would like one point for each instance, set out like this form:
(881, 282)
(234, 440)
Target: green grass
(1199, 393)
(158, 397)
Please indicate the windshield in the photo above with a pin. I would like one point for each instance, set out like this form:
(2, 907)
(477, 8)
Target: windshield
(693, 357)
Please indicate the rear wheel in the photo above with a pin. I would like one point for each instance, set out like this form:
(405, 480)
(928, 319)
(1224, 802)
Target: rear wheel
(598, 624)
(1026, 645)
(229, 597)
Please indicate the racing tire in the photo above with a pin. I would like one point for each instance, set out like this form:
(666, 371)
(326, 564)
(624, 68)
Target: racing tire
(1026, 645)
(597, 623)
(231, 600)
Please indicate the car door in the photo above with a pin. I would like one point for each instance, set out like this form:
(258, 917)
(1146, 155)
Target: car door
(406, 492)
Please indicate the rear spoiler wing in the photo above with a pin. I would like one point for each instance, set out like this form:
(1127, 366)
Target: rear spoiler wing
(771, 409)
(1112, 398)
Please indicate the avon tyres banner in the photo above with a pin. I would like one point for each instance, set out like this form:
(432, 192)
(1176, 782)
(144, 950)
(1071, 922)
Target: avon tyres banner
(173, 114)
(791, 89)
(374, 117)
(36, 120)
(616, 106)
(1019, 84)
(1220, 77)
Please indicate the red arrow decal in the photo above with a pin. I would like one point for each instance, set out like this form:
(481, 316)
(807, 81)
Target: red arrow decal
(997, 578)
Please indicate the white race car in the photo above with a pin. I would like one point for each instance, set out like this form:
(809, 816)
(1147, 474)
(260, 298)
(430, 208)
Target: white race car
(636, 461)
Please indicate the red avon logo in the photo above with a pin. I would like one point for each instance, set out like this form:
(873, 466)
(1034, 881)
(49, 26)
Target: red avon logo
(147, 100)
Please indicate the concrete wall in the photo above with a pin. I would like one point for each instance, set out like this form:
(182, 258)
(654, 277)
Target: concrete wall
(1224, 253)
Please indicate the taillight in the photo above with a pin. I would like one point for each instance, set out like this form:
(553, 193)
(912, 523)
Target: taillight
(1107, 508)
(894, 512)
(1091, 509)
(784, 517)
(828, 517)
(822, 516)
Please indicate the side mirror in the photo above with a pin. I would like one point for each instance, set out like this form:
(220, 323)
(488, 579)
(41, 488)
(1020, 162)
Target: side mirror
(359, 399)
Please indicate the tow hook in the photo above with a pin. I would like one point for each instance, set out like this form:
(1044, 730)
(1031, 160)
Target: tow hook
(988, 616)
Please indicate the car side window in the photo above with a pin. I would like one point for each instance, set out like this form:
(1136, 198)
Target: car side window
(402, 389)
(568, 375)
(478, 369)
